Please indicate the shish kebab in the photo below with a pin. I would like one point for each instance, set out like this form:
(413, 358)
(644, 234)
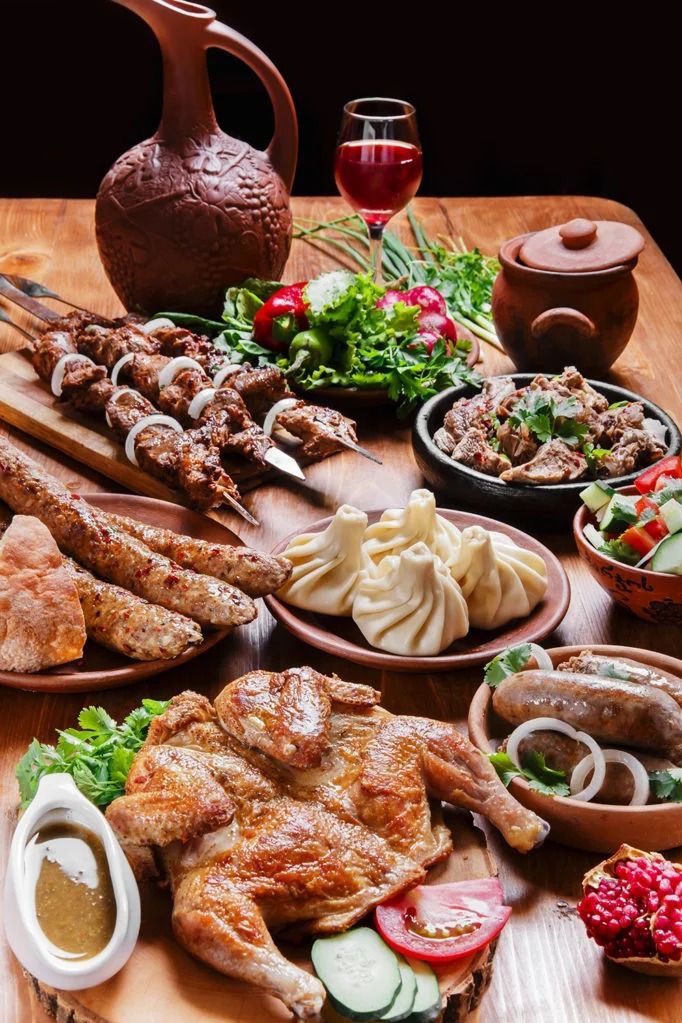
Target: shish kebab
(320, 431)
(158, 445)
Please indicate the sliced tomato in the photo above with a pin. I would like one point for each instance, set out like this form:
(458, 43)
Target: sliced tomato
(670, 466)
(440, 922)
(639, 539)
(656, 528)
(643, 503)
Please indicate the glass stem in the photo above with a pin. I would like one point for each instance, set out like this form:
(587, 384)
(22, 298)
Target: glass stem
(376, 239)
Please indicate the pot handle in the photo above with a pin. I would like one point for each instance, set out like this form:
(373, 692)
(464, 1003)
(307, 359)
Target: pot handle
(283, 147)
(563, 316)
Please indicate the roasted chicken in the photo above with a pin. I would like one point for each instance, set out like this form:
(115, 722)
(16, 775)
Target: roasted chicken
(295, 804)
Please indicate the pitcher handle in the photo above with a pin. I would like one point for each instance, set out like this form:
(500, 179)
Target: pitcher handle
(283, 147)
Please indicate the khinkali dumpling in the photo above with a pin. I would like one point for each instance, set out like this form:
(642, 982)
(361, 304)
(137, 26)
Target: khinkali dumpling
(326, 565)
(400, 528)
(499, 579)
(410, 605)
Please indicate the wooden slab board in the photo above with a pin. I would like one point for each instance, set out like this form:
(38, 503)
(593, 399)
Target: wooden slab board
(161, 983)
(26, 402)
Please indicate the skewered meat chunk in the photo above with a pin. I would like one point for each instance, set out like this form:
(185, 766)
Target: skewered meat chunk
(298, 805)
(634, 449)
(85, 533)
(253, 572)
(475, 451)
(317, 428)
(554, 462)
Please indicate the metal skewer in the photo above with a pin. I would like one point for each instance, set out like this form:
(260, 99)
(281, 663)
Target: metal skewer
(35, 290)
(351, 445)
(285, 463)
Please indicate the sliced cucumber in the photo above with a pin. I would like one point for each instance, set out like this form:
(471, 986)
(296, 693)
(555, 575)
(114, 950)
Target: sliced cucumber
(671, 513)
(404, 1000)
(620, 513)
(596, 496)
(360, 972)
(593, 535)
(668, 556)
(427, 1001)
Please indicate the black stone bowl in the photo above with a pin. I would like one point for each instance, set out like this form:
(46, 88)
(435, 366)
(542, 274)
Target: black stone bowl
(546, 504)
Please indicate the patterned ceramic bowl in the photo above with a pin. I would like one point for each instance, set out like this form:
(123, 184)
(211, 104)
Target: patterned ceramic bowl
(654, 596)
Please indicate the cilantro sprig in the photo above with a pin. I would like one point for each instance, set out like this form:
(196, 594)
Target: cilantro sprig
(667, 784)
(512, 660)
(621, 551)
(98, 754)
(535, 769)
(548, 416)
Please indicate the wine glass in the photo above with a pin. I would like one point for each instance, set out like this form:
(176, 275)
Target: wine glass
(378, 165)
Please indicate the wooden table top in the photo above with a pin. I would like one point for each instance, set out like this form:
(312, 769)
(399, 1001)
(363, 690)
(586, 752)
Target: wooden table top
(545, 967)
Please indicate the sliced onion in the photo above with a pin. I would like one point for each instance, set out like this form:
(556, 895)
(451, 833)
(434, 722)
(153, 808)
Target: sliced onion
(640, 796)
(151, 325)
(656, 429)
(118, 393)
(175, 366)
(123, 361)
(228, 370)
(555, 725)
(542, 658)
(156, 420)
(278, 407)
(60, 368)
(200, 401)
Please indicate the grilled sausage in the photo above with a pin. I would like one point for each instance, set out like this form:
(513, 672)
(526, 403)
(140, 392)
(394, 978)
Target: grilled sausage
(589, 663)
(84, 533)
(608, 709)
(119, 620)
(253, 572)
(562, 753)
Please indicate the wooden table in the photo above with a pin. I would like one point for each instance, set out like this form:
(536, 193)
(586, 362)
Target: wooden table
(545, 968)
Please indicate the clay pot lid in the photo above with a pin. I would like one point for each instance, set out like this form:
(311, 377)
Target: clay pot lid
(582, 246)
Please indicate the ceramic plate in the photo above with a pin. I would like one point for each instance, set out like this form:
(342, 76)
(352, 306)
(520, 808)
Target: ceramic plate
(101, 668)
(341, 636)
(597, 827)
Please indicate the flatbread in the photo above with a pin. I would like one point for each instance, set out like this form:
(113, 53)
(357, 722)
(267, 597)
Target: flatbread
(41, 621)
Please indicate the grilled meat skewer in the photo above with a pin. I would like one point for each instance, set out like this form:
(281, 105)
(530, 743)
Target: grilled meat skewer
(85, 533)
(123, 622)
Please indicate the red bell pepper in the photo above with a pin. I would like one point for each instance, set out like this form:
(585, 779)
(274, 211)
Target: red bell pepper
(656, 528)
(281, 318)
(643, 503)
(639, 539)
(670, 466)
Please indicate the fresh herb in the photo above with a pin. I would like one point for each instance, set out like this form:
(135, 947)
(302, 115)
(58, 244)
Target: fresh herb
(593, 455)
(512, 660)
(97, 754)
(667, 784)
(539, 775)
(617, 404)
(547, 416)
(621, 551)
(610, 670)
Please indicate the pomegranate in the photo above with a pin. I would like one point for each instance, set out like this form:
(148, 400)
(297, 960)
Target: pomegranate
(632, 908)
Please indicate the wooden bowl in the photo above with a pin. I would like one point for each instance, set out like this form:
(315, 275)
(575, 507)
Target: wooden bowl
(654, 596)
(342, 637)
(597, 827)
(545, 505)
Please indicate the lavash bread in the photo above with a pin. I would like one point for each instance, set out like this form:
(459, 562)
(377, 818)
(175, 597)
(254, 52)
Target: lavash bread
(41, 621)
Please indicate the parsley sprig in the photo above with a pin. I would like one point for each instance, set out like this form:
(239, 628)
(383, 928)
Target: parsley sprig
(537, 772)
(548, 416)
(667, 784)
(512, 660)
(97, 754)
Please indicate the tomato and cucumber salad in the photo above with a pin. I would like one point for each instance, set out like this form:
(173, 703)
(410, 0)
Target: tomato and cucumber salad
(642, 529)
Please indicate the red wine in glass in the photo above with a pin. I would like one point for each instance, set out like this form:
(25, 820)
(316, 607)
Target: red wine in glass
(378, 165)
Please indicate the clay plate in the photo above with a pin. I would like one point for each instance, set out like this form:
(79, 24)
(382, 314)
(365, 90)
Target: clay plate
(654, 596)
(597, 827)
(104, 669)
(544, 505)
(371, 398)
(341, 636)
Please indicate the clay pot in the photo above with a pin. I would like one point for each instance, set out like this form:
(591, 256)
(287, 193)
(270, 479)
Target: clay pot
(187, 213)
(568, 299)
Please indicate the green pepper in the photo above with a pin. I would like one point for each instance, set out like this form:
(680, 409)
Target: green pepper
(309, 349)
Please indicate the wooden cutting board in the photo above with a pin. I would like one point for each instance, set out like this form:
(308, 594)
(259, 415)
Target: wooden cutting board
(162, 984)
(27, 403)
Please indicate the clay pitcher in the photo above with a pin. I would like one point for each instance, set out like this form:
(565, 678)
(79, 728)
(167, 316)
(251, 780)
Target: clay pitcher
(191, 211)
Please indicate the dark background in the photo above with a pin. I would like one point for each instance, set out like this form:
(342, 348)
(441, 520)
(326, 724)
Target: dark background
(558, 100)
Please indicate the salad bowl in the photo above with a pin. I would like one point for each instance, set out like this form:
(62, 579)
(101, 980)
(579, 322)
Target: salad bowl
(596, 827)
(653, 596)
(546, 505)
